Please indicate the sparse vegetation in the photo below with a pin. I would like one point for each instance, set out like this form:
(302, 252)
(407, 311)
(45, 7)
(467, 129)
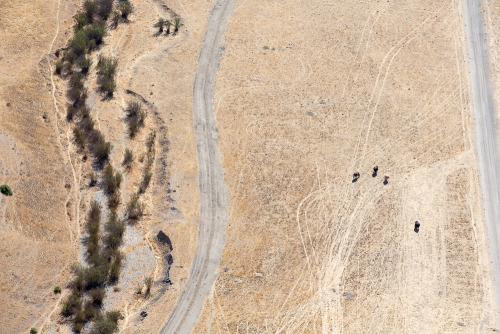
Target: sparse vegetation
(148, 282)
(135, 117)
(106, 75)
(128, 158)
(135, 208)
(126, 8)
(6, 190)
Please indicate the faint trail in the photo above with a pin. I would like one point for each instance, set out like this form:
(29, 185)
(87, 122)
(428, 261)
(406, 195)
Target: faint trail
(46, 321)
(213, 189)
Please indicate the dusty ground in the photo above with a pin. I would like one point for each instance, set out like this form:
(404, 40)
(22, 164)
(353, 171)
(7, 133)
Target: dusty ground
(307, 93)
(302, 102)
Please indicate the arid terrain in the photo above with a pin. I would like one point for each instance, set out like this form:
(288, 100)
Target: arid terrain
(306, 94)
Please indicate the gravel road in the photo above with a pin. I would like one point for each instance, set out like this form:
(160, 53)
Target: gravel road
(485, 134)
(213, 190)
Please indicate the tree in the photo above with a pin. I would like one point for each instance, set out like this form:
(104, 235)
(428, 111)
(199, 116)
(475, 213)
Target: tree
(177, 24)
(168, 24)
(159, 24)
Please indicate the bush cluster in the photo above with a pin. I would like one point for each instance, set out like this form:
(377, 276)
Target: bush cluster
(135, 117)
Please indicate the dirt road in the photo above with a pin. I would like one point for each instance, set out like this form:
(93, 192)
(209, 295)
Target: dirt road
(213, 190)
(486, 133)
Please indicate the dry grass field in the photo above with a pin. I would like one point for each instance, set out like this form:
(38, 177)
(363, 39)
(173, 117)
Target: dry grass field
(307, 93)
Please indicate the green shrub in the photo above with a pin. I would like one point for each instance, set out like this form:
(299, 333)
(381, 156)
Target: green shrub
(177, 24)
(89, 310)
(160, 24)
(146, 179)
(111, 180)
(33, 330)
(126, 8)
(114, 271)
(115, 18)
(96, 32)
(59, 66)
(135, 117)
(71, 305)
(135, 208)
(6, 190)
(101, 150)
(90, 8)
(106, 73)
(69, 56)
(79, 43)
(77, 327)
(148, 281)
(97, 295)
(115, 228)
(128, 158)
(105, 8)
(57, 289)
(80, 21)
(78, 282)
(79, 137)
(151, 142)
(114, 200)
(84, 63)
(114, 316)
(96, 276)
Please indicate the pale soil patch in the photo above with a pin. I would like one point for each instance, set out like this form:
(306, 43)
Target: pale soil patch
(302, 102)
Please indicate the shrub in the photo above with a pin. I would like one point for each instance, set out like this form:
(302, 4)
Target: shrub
(126, 8)
(177, 24)
(95, 212)
(78, 282)
(84, 63)
(81, 20)
(115, 228)
(160, 24)
(69, 56)
(79, 138)
(79, 43)
(96, 276)
(59, 66)
(114, 272)
(151, 141)
(101, 150)
(135, 208)
(89, 310)
(135, 117)
(114, 316)
(97, 295)
(77, 95)
(6, 190)
(148, 281)
(128, 158)
(93, 246)
(33, 330)
(107, 70)
(77, 327)
(71, 305)
(107, 84)
(57, 289)
(96, 32)
(90, 8)
(114, 200)
(146, 179)
(105, 7)
(115, 18)
(111, 180)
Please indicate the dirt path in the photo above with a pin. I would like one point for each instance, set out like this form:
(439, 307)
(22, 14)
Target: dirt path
(486, 133)
(213, 189)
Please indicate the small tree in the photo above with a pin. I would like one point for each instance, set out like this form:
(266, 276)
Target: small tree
(160, 24)
(177, 24)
